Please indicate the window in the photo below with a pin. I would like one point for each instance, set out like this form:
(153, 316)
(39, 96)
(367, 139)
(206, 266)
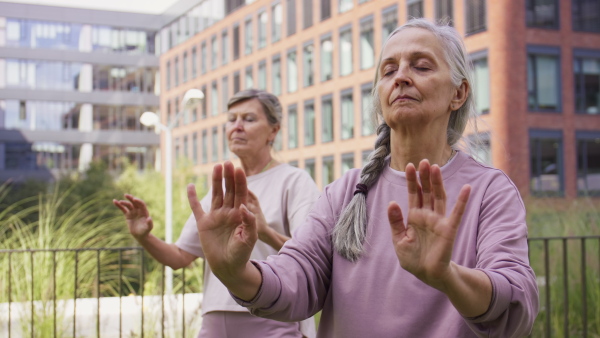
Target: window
(475, 16)
(225, 92)
(307, 13)
(236, 41)
(366, 104)
(444, 11)
(195, 148)
(309, 122)
(176, 71)
(292, 71)
(307, 67)
(262, 75)
(542, 13)
(414, 9)
(481, 87)
(327, 118)
(291, 17)
(225, 47)
(292, 127)
(587, 81)
(327, 170)
(168, 76)
(543, 78)
(347, 162)
(194, 114)
(194, 63)
(215, 144)
(293, 163)
(276, 75)
(215, 52)
(345, 5)
(204, 146)
(326, 58)
(248, 34)
(249, 79)
(214, 99)
(586, 15)
(262, 29)
(325, 9)
(367, 45)
(236, 82)
(588, 163)
(389, 18)
(347, 115)
(177, 150)
(309, 167)
(546, 162)
(204, 110)
(185, 147)
(203, 57)
(277, 23)
(345, 50)
(224, 140)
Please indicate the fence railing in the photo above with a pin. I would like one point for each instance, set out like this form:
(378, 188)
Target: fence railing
(76, 292)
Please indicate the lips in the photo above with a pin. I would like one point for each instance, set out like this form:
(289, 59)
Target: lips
(403, 97)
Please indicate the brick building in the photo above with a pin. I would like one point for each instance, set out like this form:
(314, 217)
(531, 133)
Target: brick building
(536, 66)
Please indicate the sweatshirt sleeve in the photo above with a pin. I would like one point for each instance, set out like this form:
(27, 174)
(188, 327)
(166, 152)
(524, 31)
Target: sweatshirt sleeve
(300, 196)
(296, 281)
(502, 253)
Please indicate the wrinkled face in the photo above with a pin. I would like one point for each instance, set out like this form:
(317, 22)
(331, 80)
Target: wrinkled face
(248, 131)
(414, 85)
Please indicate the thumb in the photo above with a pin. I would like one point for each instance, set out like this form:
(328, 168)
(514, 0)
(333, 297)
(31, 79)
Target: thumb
(396, 219)
(150, 223)
(248, 217)
(194, 202)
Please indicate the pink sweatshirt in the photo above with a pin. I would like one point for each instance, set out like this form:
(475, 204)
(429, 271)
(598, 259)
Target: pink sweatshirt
(375, 297)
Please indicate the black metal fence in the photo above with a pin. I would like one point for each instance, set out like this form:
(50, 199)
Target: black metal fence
(567, 269)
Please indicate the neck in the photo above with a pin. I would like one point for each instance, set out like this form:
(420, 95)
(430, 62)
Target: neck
(413, 148)
(257, 163)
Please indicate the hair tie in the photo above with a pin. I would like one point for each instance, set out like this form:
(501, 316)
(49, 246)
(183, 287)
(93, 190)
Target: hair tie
(361, 189)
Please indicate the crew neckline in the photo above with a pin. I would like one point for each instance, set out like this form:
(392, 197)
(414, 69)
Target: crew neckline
(265, 173)
(397, 177)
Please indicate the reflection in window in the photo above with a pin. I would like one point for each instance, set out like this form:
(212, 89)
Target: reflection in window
(444, 11)
(37, 74)
(543, 82)
(309, 167)
(345, 52)
(249, 79)
(307, 67)
(326, 59)
(117, 40)
(262, 29)
(347, 162)
(214, 99)
(225, 91)
(225, 47)
(292, 72)
(588, 165)
(194, 63)
(225, 144)
(276, 73)
(236, 41)
(345, 5)
(475, 16)
(366, 104)
(291, 17)
(42, 34)
(347, 115)
(204, 146)
(367, 45)
(542, 13)
(40, 115)
(325, 9)
(215, 52)
(215, 144)
(415, 9)
(546, 165)
(262, 75)
(309, 123)
(389, 21)
(481, 88)
(292, 126)
(327, 119)
(586, 15)
(587, 85)
(328, 175)
(248, 35)
(203, 58)
(195, 148)
(307, 13)
(276, 23)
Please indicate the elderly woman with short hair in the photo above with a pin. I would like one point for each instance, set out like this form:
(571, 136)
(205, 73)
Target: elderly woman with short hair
(284, 193)
(381, 253)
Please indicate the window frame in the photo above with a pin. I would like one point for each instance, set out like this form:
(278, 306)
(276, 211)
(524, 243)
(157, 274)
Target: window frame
(545, 51)
(546, 134)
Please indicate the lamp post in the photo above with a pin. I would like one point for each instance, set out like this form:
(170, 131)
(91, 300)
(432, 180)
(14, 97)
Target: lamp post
(150, 119)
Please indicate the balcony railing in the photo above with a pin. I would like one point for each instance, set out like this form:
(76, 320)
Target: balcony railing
(120, 292)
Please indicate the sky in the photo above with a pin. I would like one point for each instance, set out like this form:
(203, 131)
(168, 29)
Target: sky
(139, 6)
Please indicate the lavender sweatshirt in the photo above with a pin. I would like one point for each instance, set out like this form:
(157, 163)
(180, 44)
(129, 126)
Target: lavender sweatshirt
(375, 297)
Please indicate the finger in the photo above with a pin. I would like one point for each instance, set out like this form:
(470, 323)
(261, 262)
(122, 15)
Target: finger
(126, 204)
(248, 218)
(217, 187)
(414, 188)
(139, 204)
(396, 219)
(425, 178)
(229, 184)
(194, 202)
(438, 191)
(253, 200)
(118, 205)
(461, 204)
(241, 188)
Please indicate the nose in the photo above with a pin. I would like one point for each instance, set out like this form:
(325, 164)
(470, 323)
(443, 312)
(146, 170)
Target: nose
(238, 123)
(402, 76)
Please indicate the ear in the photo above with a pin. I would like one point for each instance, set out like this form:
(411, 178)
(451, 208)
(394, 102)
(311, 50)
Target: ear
(274, 131)
(460, 96)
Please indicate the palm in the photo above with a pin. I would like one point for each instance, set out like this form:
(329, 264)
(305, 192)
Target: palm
(424, 246)
(136, 214)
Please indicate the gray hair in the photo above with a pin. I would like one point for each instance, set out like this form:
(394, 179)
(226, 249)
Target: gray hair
(350, 230)
(270, 103)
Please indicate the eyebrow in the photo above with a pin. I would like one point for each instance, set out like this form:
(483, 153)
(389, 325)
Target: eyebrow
(416, 54)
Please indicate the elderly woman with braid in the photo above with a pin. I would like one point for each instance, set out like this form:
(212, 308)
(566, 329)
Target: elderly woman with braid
(424, 241)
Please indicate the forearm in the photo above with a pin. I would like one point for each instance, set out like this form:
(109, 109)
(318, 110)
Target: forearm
(243, 284)
(166, 254)
(469, 290)
(273, 238)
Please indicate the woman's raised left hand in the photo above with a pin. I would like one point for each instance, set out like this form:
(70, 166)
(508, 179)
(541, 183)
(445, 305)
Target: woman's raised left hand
(424, 245)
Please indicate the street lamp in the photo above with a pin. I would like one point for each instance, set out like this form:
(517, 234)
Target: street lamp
(150, 119)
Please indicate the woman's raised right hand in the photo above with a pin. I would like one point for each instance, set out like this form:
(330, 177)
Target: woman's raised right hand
(137, 216)
(228, 231)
